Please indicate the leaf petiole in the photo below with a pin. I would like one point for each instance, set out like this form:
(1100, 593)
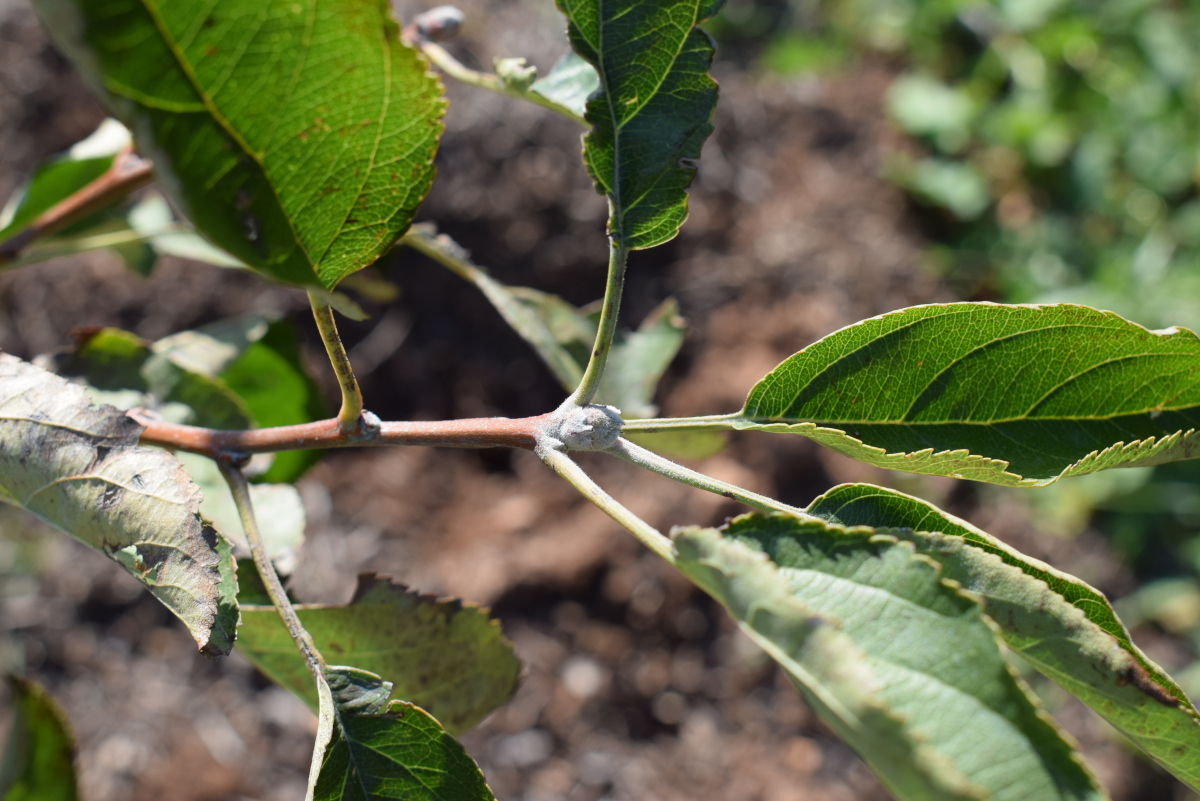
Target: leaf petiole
(617, 257)
(575, 475)
(350, 417)
(635, 454)
(240, 489)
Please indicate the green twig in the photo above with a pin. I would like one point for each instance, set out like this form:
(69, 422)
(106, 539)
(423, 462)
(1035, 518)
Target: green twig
(350, 417)
(483, 80)
(665, 467)
(608, 325)
(647, 534)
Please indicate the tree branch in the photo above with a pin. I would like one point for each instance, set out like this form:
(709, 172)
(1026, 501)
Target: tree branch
(127, 173)
(483, 432)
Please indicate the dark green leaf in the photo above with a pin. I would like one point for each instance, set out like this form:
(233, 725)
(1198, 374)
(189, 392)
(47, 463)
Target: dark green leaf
(1059, 624)
(402, 754)
(297, 137)
(1016, 395)
(39, 757)
(79, 467)
(570, 83)
(901, 664)
(447, 657)
(653, 111)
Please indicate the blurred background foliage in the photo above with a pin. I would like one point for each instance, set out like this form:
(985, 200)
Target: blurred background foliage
(1053, 155)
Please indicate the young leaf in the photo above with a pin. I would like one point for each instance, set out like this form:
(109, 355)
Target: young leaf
(299, 137)
(401, 754)
(901, 664)
(570, 83)
(78, 467)
(1059, 624)
(653, 111)
(1015, 395)
(64, 175)
(446, 657)
(39, 757)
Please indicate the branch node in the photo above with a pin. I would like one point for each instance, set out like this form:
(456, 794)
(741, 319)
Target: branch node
(365, 429)
(595, 427)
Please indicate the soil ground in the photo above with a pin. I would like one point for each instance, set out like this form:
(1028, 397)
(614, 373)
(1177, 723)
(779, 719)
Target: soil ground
(637, 685)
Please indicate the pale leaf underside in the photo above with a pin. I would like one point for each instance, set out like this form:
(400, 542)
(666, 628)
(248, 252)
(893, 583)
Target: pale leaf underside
(1059, 624)
(78, 467)
(903, 666)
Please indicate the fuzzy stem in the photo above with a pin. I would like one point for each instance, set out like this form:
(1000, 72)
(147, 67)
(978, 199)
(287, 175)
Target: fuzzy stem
(645, 533)
(665, 467)
(266, 570)
(350, 417)
(483, 432)
(607, 329)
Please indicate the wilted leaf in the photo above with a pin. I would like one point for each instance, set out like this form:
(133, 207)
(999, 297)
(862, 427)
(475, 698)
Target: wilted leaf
(39, 756)
(653, 110)
(124, 371)
(78, 467)
(1059, 624)
(442, 655)
(902, 665)
(297, 137)
(1015, 395)
(570, 83)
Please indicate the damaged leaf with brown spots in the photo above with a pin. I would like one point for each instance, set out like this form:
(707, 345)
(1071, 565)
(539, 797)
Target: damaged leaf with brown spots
(79, 467)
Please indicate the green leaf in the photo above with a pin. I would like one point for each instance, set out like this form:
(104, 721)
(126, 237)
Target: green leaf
(445, 656)
(653, 111)
(78, 467)
(39, 757)
(270, 378)
(1014, 395)
(570, 83)
(901, 664)
(299, 137)
(63, 176)
(1059, 624)
(401, 754)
